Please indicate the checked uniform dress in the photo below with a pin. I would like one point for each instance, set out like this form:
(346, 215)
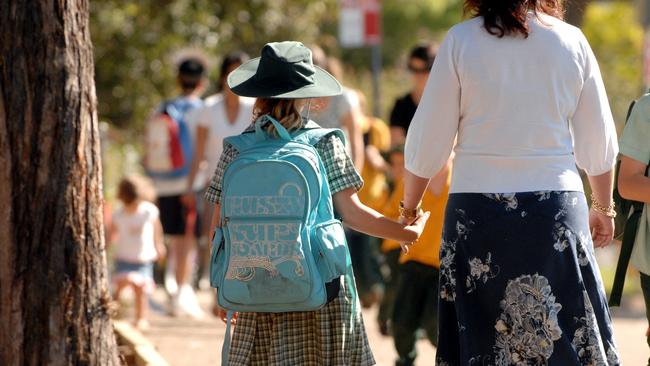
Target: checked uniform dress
(332, 335)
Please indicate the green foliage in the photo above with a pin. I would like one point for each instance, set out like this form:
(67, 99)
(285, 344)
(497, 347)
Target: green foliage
(616, 38)
(138, 42)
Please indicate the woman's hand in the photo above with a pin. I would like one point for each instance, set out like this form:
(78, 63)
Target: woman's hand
(416, 227)
(602, 229)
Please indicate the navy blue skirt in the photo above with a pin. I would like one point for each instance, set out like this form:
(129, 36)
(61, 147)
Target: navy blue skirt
(519, 284)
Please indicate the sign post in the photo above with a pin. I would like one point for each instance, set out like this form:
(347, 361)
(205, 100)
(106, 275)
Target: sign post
(360, 26)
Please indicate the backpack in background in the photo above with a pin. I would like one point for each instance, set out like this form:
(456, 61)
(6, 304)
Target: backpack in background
(168, 142)
(626, 223)
(281, 243)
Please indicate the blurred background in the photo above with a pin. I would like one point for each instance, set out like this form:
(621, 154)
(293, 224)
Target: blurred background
(137, 45)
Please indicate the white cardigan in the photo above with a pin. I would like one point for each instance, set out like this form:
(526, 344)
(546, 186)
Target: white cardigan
(524, 111)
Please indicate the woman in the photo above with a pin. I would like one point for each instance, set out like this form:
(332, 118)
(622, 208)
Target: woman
(333, 335)
(224, 114)
(521, 93)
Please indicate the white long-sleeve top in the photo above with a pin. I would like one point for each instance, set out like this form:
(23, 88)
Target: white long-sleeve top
(523, 111)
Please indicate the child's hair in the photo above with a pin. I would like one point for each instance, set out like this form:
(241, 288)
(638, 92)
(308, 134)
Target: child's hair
(133, 188)
(190, 73)
(285, 111)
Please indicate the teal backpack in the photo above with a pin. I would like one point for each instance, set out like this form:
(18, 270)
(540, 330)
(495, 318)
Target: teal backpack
(279, 245)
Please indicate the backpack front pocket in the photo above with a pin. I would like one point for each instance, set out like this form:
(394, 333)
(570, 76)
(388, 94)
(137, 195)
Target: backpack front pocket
(331, 250)
(267, 263)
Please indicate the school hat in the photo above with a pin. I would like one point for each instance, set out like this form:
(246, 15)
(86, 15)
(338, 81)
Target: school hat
(284, 70)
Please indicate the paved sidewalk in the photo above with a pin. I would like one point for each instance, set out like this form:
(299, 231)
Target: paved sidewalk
(185, 341)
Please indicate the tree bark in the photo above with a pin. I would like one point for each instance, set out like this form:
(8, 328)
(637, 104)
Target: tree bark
(53, 289)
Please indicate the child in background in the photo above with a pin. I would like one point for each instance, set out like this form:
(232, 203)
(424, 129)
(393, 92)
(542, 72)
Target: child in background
(415, 303)
(364, 249)
(137, 239)
(390, 248)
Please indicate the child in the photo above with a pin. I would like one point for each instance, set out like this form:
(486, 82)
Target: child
(136, 234)
(390, 248)
(334, 334)
(633, 184)
(416, 295)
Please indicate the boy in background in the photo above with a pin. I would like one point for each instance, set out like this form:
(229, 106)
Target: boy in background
(415, 303)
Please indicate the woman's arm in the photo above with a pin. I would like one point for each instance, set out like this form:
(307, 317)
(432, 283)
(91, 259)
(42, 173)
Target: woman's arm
(414, 188)
(199, 154)
(602, 226)
(632, 181)
(362, 218)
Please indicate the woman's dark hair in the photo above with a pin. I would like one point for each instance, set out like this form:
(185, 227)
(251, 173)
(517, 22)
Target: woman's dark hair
(234, 58)
(425, 52)
(507, 17)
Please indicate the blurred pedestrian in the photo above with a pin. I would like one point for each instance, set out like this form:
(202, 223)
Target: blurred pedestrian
(176, 139)
(419, 64)
(333, 334)
(634, 184)
(365, 248)
(225, 114)
(412, 301)
(522, 93)
(136, 241)
(340, 111)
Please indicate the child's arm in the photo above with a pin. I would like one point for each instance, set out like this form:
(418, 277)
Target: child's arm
(159, 239)
(632, 182)
(366, 220)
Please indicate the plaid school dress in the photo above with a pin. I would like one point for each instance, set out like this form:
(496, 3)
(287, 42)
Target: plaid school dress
(332, 335)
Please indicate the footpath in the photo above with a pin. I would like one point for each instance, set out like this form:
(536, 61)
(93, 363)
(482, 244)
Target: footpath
(185, 341)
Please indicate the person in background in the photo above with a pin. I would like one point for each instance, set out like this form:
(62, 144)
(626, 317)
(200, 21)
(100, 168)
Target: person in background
(225, 114)
(521, 92)
(419, 64)
(365, 251)
(634, 184)
(340, 111)
(391, 249)
(415, 296)
(135, 241)
(178, 220)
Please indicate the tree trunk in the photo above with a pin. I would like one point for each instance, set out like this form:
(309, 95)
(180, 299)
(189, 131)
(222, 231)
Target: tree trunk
(53, 289)
(575, 11)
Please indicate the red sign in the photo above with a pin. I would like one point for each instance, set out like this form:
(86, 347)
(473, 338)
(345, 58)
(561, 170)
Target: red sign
(360, 23)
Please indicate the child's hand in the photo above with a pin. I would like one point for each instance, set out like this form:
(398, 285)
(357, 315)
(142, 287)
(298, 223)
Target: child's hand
(222, 314)
(415, 227)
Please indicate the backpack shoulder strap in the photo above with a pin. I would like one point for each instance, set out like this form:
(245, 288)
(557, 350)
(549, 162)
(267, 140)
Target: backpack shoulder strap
(312, 134)
(240, 142)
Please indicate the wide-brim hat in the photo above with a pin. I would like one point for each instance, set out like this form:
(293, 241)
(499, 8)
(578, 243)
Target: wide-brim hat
(284, 70)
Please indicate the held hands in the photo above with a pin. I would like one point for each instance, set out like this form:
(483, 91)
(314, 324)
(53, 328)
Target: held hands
(602, 228)
(415, 227)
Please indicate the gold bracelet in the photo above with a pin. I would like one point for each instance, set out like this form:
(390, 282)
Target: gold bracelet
(409, 213)
(609, 211)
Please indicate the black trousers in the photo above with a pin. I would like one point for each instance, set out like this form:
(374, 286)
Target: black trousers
(416, 306)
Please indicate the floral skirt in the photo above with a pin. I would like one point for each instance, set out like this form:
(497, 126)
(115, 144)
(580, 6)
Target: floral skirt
(519, 284)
